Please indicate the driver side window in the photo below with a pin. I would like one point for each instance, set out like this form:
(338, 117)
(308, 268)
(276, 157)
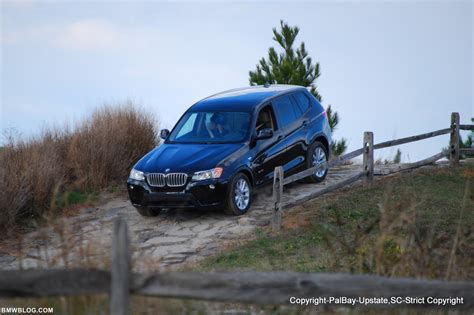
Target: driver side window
(265, 119)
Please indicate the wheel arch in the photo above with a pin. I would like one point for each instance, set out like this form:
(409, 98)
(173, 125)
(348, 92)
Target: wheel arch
(247, 173)
(324, 141)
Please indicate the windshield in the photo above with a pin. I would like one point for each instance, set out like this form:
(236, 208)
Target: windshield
(211, 127)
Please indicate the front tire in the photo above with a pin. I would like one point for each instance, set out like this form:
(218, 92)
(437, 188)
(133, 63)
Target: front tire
(148, 212)
(239, 195)
(317, 154)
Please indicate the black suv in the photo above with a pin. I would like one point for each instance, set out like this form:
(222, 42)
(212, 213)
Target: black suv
(226, 144)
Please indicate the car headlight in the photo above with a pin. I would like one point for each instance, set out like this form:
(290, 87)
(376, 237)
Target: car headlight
(209, 174)
(137, 175)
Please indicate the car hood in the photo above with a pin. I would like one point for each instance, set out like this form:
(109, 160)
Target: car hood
(186, 157)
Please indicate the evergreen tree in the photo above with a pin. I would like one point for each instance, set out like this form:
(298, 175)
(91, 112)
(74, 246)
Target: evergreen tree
(398, 157)
(468, 143)
(293, 66)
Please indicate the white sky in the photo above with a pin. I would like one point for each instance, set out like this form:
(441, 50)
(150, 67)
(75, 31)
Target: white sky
(394, 68)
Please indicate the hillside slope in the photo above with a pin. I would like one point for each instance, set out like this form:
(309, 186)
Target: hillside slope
(416, 224)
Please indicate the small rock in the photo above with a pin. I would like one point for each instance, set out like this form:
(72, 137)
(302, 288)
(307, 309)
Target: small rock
(262, 222)
(246, 221)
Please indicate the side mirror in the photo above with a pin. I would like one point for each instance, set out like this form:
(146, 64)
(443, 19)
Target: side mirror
(164, 133)
(265, 133)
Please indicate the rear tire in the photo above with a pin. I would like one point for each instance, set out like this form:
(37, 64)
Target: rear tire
(317, 154)
(239, 195)
(148, 212)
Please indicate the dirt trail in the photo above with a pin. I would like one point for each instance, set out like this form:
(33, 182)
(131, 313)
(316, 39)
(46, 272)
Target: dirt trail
(172, 239)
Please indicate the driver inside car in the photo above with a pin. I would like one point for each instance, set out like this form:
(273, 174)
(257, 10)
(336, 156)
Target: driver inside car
(217, 126)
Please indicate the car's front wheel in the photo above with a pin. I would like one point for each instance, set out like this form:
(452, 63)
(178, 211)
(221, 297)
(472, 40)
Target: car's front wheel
(148, 212)
(239, 195)
(317, 155)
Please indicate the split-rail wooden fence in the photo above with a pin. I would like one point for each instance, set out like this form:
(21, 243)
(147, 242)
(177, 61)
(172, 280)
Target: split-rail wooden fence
(367, 151)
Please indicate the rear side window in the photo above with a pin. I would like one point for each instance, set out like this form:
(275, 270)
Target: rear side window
(286, 110)
(302, 100)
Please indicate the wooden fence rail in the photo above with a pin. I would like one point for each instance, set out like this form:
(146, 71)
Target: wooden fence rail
(275, 288)
(466, 151)
(407, 166)
(466, 127)
(332, 163)
(367, 152)
(423, 136)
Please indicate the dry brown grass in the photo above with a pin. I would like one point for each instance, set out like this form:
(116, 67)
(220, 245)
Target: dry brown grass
(99, 151)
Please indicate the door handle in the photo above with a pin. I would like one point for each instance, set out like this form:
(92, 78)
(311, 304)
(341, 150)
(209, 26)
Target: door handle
(305, 123)
(280, 137)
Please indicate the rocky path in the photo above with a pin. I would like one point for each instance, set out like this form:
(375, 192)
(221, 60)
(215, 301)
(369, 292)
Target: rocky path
(170, 240)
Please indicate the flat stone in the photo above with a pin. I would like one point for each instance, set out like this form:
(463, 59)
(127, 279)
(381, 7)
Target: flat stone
(166, 240)
(6, 259)
(188, 224)
(183, 232)
(144, 236)
(174, 257)
(201, 227)
(112, 212)
(160, 252)
(183, 249)
(199, 242)
(30, 263)
(213, 232)
(172, 261)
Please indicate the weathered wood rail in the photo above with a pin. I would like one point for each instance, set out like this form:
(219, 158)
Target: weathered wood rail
(367, 172)
(275, 288)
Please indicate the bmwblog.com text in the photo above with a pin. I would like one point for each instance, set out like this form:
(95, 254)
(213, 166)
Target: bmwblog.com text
(26, 310)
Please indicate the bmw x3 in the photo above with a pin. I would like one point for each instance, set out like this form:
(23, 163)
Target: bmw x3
(228, 143)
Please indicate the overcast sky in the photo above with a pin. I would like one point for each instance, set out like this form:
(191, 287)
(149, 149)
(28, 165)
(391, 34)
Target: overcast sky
(394, 68)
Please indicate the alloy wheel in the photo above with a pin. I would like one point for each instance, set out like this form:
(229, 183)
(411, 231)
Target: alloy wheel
(319, 157)
(242, 194)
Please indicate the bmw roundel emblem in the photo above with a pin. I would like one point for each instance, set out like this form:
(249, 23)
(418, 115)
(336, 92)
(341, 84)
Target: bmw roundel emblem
(167, 170)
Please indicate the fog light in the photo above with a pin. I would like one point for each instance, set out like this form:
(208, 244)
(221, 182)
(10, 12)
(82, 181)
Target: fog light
(131, 186)
(212, 186)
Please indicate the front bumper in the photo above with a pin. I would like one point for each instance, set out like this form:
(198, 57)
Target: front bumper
(202, 194)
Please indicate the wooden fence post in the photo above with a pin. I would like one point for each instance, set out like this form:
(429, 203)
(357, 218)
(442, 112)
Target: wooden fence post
(120, 273)
(277, 194)
(454, 140)
(368, 155)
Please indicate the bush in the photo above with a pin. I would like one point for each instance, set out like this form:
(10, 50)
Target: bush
(98, 152)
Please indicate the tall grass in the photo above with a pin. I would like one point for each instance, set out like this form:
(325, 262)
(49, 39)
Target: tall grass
(99, 151)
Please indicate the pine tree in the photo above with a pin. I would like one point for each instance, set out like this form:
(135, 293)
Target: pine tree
(293, 67)
(398, 157)
(468, 143)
